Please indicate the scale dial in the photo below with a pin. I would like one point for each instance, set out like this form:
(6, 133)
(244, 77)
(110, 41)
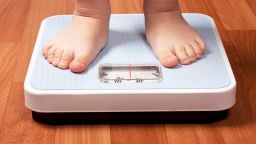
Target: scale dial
(131, 73)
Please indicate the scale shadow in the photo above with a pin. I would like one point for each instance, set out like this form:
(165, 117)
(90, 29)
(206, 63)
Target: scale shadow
(116, 118)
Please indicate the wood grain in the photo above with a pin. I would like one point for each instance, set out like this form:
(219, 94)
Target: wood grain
(12, 19)
(137, 134)
(8, 59)
(235, 15)
(37, 12)
(124, 6)
(19, 24)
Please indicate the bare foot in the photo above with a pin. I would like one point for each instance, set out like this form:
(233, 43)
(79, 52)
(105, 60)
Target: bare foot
(78, 45)
(171, 38)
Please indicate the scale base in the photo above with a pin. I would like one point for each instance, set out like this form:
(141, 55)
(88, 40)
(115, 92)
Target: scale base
(201, 92)
(193, 117)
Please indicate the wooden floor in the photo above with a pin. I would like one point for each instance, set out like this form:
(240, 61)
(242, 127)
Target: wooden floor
(19, 24)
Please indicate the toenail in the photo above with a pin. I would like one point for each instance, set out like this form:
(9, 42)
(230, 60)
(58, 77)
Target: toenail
(55, 64)
(192, 59)
(50, 57)
(186, 61)
(82, 65)
(79, 63)
(62, 63)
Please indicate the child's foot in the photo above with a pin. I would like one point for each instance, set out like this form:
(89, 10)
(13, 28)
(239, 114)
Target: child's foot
(171, 38)
(78, 45)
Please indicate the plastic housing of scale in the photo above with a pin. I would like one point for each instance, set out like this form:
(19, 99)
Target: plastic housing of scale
(205, 85)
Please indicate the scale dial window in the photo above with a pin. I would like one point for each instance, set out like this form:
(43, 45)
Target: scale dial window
(110, 73)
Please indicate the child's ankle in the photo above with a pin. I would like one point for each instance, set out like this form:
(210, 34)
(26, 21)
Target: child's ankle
(93, 8)
(93, 13)
(155, 7)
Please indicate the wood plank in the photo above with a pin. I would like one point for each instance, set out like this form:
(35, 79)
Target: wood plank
(209, 134)
(127, 6)
(235, 15)
(179, 134)
(98, 134)
(12, 19)
(138, 134)
(8, 59)
(39, 10)
(252, 103)
(244, 42)
(18, 126)
(203, 7)
(252, 5)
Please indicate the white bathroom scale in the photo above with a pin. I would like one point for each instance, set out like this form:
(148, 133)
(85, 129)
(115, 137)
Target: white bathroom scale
(127, 77)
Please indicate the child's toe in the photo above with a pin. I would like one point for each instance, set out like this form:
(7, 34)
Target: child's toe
(168, 59)
(65, 59)
(201, 44)
(190, 52)
(50, 54)
(45, 49)
(197, 48)
(80, 62)
(182, 55)
(57, 57)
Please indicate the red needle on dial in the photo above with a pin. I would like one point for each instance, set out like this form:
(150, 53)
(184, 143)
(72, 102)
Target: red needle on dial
(130, 72)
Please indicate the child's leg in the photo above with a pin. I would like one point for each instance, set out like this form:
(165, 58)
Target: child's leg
(78, 45)
(172, 39)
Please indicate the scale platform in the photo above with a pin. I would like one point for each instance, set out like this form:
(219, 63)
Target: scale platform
(114, 82)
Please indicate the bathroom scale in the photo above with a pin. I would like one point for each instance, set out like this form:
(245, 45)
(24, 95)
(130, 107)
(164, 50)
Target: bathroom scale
(126, 77)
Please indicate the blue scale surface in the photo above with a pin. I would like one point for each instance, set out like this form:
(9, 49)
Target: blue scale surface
(127, 45)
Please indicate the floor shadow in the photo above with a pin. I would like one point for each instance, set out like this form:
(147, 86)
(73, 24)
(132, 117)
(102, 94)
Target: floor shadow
(98, 118)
